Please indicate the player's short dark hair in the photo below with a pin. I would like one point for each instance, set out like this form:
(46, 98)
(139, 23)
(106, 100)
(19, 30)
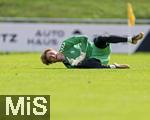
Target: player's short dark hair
(44, 58)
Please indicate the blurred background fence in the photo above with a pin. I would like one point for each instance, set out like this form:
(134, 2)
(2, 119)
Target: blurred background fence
(73, 20)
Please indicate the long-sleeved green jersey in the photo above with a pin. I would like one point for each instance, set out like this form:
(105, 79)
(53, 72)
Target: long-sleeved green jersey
(78, 48)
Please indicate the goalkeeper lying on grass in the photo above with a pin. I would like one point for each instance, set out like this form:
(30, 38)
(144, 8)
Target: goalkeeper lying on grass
(79, 52)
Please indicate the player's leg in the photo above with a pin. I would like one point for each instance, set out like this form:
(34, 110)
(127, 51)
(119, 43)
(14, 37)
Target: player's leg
(95, 63)
(102, 41)
(91, 63)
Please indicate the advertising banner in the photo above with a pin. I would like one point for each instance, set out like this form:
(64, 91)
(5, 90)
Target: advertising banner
(35, 37)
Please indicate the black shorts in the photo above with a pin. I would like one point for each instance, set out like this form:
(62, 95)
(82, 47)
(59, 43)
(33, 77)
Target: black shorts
(91, 63)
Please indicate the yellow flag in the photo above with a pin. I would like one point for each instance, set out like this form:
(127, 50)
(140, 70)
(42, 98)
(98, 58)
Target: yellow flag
(131, 17)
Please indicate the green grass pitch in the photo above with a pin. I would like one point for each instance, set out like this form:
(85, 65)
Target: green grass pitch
(82, 94)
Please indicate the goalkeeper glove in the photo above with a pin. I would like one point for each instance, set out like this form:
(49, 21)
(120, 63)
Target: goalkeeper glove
(75, 62)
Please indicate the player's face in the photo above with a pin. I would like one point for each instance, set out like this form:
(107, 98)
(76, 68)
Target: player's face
(52, 55)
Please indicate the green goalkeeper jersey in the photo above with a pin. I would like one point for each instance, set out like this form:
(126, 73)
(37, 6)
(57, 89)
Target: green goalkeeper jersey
(73, 47)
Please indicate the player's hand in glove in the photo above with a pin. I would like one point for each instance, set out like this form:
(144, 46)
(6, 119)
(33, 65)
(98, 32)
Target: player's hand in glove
(75, 62)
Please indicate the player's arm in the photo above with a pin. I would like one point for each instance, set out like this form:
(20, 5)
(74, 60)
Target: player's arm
(75, 62)
(68, 43)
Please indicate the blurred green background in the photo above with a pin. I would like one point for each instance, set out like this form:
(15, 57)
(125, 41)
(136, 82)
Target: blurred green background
(73, 8)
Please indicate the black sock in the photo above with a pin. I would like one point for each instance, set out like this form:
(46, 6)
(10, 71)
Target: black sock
(112, 39)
